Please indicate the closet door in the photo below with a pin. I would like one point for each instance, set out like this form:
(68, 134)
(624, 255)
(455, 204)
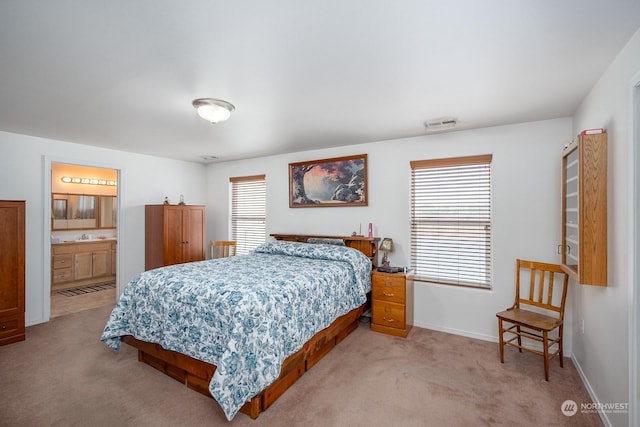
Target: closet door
(12, 256)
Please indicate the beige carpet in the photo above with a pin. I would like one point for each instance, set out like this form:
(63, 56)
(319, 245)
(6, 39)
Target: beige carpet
(62, 375)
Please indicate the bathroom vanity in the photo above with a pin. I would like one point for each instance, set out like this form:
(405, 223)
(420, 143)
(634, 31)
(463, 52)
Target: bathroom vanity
(82, 262)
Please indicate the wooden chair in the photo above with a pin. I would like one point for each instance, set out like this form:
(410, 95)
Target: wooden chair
(544, 311)
(222, 248)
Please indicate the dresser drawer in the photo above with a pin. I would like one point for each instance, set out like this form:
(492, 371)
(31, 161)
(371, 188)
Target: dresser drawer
(388, 314)
(61, 261)
(389, 288)
(11, 329)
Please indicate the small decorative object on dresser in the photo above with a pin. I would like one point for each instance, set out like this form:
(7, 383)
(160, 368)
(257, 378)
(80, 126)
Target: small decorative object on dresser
(392, 303)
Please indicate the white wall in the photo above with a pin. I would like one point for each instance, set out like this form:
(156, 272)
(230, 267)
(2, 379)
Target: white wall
(602, 352)
(24, 163)
(526, 209)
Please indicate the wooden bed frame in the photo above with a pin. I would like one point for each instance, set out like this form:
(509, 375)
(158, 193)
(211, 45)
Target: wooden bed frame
(197, 374)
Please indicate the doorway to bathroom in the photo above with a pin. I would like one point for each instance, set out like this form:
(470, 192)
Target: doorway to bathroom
(84, 225)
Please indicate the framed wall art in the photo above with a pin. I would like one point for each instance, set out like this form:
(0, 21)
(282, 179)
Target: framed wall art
(340, 181)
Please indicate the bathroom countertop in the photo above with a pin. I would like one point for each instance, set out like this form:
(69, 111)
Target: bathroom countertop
(63, 242)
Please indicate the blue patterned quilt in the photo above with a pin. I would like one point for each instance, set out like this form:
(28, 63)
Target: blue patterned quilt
(245, 314)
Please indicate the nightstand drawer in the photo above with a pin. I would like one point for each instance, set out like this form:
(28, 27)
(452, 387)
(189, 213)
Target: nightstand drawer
(388, 314)
(389, 288)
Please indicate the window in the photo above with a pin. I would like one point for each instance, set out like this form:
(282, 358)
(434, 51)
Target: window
(451, 220)
(248, 212)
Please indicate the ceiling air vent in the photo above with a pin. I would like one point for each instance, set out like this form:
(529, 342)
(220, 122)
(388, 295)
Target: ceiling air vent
(444, 123)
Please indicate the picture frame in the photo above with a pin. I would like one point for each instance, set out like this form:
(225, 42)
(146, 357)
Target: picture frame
(338, 181)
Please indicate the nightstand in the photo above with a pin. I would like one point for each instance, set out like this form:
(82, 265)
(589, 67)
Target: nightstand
(392, 303)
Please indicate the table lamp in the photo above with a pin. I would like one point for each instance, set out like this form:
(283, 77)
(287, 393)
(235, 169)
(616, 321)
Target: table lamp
(386, 246)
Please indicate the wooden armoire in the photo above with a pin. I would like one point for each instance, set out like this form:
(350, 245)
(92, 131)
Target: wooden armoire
(12, 262)
(174, 234)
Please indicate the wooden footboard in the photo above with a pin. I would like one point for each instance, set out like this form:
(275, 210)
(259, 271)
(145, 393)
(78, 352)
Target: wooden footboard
(197, 374)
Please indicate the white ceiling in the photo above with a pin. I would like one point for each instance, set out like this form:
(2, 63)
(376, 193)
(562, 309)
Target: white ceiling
(302, 74)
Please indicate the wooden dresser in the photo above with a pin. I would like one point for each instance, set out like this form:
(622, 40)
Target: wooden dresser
(392, 303)
(174, 234)
(12, 264)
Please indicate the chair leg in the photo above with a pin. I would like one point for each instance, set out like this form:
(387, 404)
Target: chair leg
(545, 345)
(501, 338)
(519, 339)
(560, 348)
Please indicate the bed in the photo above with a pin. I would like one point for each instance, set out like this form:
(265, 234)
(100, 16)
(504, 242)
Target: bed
(243, 329)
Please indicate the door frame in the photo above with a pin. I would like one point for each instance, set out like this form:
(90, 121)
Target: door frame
(46, 214)
(634, 252)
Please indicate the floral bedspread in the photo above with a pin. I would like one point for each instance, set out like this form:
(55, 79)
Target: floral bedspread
(245, 314)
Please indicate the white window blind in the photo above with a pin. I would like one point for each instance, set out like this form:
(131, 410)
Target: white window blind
(248, 212)
(451, 220)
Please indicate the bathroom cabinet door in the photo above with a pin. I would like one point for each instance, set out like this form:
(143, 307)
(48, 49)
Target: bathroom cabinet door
(101, 263)
(114, 257)
(82, 265)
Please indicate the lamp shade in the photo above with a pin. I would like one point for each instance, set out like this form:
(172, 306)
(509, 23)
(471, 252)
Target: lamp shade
(213, 110)
(386, 244)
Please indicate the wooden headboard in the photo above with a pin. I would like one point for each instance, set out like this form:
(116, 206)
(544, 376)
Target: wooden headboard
(366, 245)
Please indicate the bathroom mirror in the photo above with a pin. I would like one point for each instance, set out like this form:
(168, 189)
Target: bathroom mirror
(73, 211)
(108, 206)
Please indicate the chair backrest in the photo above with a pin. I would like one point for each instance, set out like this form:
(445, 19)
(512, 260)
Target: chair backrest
(546, 288)
(222, 248)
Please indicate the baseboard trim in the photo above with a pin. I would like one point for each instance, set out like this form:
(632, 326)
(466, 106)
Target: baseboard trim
(460, 332)
(587, 385)
(483, 337)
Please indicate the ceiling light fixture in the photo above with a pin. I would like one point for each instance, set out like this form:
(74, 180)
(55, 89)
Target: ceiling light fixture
(213, 110)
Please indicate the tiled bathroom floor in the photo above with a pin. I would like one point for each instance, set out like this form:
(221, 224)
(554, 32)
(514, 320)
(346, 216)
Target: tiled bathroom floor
(61, 305)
